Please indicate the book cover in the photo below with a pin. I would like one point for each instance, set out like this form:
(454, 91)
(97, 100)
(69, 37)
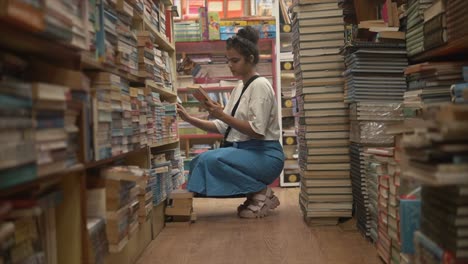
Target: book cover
(213, 25)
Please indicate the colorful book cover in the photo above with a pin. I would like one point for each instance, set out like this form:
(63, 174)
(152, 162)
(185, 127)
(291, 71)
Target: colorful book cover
(213, 25)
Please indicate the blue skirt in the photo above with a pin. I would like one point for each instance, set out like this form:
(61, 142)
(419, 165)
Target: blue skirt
(246, 167)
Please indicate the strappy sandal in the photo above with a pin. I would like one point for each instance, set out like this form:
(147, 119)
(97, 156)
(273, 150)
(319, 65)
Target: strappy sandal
(246, 203)
(260, 205)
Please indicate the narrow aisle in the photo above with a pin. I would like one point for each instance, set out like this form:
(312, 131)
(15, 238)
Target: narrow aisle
(219, 236)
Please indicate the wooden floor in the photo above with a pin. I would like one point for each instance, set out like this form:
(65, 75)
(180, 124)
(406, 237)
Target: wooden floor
(220, 237)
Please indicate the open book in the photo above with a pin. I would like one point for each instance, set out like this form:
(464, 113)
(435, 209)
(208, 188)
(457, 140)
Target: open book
(199, 93)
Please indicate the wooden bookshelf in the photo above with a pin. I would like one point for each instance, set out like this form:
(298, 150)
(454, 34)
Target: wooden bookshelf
(88, 63)
(102, 162)
(161, 41)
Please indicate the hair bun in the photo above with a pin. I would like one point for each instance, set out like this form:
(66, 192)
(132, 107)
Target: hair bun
(249, 33)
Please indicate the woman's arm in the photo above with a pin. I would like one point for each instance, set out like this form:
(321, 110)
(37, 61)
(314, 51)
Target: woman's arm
(244, 127)
(200, 123)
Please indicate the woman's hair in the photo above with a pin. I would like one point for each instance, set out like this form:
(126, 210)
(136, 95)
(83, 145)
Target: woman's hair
(245, 42)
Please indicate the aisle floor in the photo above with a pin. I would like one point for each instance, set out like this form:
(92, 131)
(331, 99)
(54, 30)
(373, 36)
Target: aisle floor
(220, 237)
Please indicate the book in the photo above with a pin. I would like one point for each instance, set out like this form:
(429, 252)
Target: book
(200, 94)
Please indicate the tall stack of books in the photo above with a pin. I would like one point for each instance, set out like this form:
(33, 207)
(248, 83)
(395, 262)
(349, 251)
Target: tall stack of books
(117, 116)
(135, 141)
(435, 155)
(375, 86)
(127, 53)
(415, 26)
(110, 29)
(143, 120)
(102, 109)
(323, 132)
(166, 71)
(383, 202)
(146, 61)
(369, 122)
(50, 103)
(159, 68)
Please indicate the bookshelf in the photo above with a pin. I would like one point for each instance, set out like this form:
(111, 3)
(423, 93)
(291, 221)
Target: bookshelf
(61, 84)
(290, 176)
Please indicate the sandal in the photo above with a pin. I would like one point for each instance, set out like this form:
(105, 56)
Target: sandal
(259, 205)
(246, 203)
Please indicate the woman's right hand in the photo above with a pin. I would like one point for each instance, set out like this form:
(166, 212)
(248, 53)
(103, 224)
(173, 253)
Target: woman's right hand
(182, 112)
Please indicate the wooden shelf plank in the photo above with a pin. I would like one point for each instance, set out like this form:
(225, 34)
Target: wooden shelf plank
(42, 179)
(88, 63)
(160, 40)
(161, 91)
(195, 136)
(98, 163)
(451, 48)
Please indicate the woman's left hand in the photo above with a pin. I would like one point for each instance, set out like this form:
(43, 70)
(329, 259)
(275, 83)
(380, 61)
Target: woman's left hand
(215, 109)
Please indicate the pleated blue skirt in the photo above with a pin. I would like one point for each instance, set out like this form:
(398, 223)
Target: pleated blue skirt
(246, 167)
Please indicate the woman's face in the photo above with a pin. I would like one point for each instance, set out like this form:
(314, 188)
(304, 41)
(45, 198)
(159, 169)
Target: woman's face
(237, 63)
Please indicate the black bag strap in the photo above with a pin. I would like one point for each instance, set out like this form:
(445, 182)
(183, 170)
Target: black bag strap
(234, 109)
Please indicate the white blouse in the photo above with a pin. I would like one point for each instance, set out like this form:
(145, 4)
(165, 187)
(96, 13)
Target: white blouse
(257, 106)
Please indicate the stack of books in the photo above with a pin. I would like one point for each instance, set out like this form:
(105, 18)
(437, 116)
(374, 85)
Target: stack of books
(187, 31)
(459, 91)
(435, 25)
(415, 26)
(110, 32)
(359, 189)
(429, 153)
(98, 246)
(375, 74)
(122, 203)
(50, 103)
(430, 83)
(369, 122)
(323, 133)
(146, 63)
(383, 202)
(127, 52)
(443, 218)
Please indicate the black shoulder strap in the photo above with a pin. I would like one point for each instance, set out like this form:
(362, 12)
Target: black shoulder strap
(234, 109)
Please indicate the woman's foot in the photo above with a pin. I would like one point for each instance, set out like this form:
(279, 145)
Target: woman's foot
(259, 204)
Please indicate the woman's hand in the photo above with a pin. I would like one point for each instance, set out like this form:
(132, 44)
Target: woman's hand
(215, 109)
(182, 112)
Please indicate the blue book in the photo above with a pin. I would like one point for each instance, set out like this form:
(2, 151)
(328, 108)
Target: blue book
(410, 219)
(18, 175)
(457, 90)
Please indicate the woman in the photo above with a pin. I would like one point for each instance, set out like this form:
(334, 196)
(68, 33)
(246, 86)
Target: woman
(256, 157)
